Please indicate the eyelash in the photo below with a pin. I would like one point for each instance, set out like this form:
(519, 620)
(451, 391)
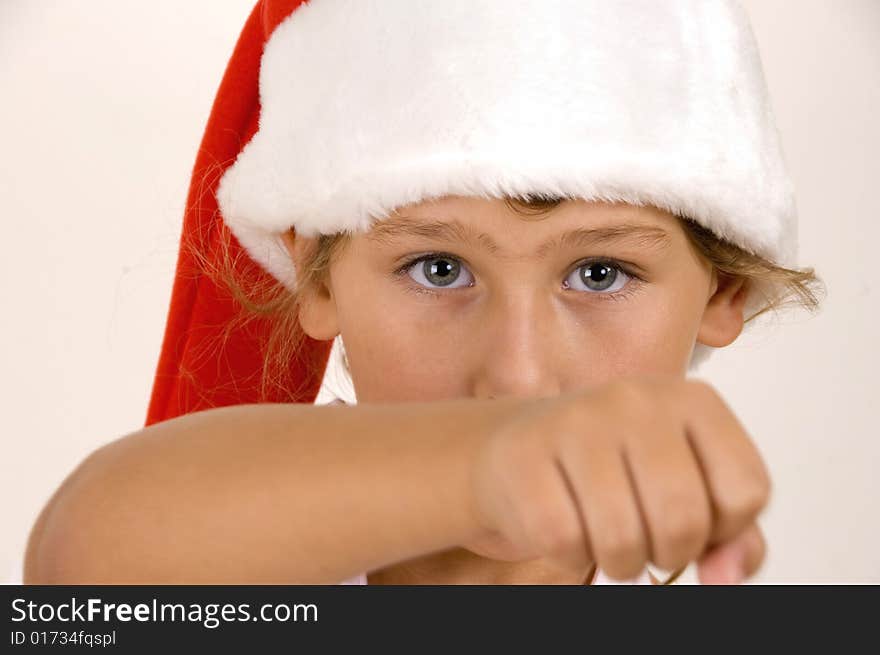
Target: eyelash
(631, 287)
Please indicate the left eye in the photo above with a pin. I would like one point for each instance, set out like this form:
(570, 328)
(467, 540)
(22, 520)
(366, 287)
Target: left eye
(596, 277)
(437, 272)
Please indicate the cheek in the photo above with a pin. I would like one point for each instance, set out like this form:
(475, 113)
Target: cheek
(652, 334)
(397, 352)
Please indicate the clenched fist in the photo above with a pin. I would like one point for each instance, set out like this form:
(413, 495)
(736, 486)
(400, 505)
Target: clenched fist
(640, 470)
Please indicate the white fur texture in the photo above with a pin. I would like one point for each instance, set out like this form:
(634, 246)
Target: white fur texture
(367, 105)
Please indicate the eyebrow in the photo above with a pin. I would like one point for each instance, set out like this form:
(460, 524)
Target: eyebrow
(645, 236)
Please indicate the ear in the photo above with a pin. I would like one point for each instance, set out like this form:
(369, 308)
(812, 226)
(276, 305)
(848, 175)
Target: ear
(722, 320)
(317, 306)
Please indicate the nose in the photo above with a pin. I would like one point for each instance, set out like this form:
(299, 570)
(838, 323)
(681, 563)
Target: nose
(517, 355)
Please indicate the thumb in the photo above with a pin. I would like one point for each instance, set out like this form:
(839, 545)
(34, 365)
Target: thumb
(733, 561)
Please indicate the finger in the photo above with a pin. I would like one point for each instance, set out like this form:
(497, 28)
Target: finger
(549, 513)
(733, 561)
(755, 549)
(611, 514)
(667, 479)
(732, 467)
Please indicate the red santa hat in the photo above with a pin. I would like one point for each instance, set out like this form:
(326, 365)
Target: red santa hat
(332, 113)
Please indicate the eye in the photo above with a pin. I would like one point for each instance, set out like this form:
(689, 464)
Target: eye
(439, 271)
(598, 276)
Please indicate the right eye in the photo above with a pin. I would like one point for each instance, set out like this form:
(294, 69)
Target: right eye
(439, 271)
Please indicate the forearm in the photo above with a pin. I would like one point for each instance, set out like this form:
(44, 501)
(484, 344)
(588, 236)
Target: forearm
(266, 494)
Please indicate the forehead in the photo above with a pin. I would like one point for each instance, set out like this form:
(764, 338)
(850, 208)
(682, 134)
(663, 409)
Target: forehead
(491, 225)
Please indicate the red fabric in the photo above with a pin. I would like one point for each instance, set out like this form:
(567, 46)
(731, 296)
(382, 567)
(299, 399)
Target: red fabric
(203, 363)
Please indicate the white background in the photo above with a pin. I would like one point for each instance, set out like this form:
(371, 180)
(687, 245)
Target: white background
(102, 106)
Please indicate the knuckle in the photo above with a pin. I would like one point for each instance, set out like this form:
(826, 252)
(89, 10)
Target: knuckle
(681, 537)
(701, 391)
(569, 418)
(552, 532)
(564, 424)
(633, 399)
(700, 394)
(744, 502)
(756, 498)
(578, 422)
(625, 391)
(567, 536)
(622, 549)
(753, 485)
(763, 483)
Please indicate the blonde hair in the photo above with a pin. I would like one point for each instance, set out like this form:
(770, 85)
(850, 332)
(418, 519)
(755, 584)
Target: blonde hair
(261, 298)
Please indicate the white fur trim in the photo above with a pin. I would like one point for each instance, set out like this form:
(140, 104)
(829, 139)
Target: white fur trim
(368, 105)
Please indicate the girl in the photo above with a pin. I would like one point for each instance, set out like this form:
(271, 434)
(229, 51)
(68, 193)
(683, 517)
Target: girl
(524, 224)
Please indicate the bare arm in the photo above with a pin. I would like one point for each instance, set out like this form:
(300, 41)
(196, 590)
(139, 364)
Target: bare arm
(266, 494)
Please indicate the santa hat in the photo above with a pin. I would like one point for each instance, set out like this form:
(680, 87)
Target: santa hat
(332, 113)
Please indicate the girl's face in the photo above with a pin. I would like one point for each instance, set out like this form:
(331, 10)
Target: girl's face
(461, 297)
